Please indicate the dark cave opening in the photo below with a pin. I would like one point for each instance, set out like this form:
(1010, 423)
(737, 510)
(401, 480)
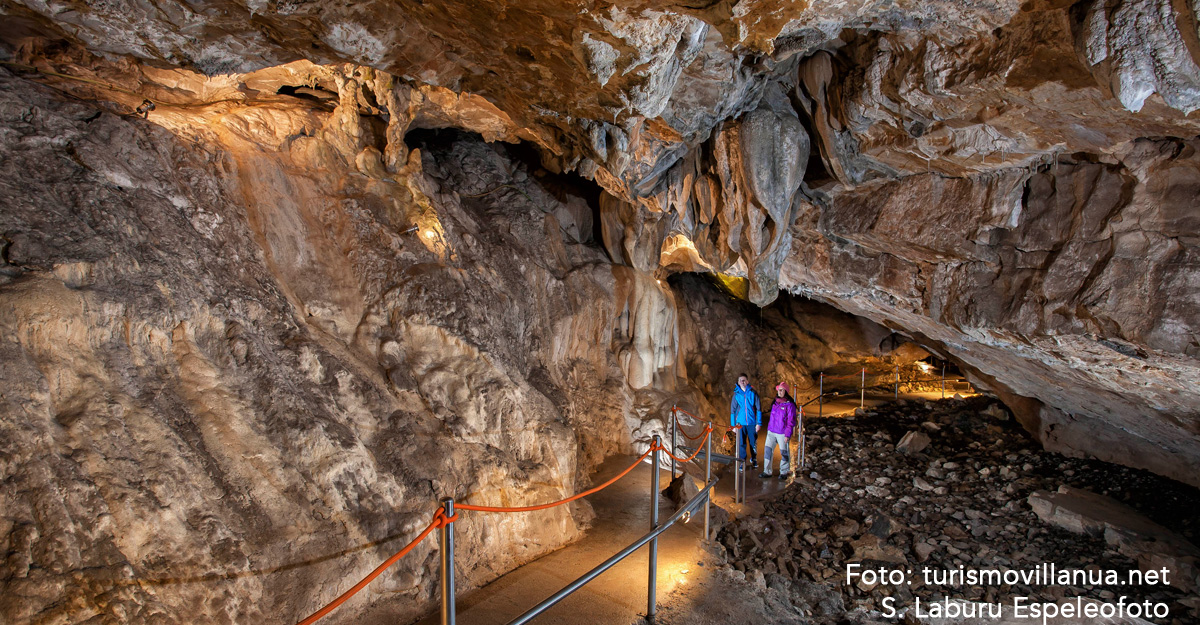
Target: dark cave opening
(563, 187)
(317, 95)
(980, 458)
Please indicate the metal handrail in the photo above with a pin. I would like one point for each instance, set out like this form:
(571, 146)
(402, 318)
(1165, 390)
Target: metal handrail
(609, 563)
(817, 397)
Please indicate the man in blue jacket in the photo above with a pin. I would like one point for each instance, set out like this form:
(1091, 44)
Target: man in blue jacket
(745, 412)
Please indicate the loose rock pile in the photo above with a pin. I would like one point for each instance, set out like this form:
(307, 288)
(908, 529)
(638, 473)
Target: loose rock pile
(960, 501)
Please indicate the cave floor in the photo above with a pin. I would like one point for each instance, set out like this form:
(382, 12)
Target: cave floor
(693, 587)
(617, 596)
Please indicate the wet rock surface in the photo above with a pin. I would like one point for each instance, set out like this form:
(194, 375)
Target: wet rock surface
(959, 503)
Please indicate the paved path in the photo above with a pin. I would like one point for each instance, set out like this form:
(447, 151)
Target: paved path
(618, 596)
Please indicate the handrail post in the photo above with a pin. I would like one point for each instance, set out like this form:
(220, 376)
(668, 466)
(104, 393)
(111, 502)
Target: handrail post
(862, 390)
(446, 534)
(707, 477)
(803, 442)
(737, 464)
(653, 581)
(943, 379)
(674, 439)
(821, 395)
(799, 434)
(897, 392)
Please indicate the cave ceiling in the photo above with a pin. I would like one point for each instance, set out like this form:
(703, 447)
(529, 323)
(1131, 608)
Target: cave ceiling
(1012, 184)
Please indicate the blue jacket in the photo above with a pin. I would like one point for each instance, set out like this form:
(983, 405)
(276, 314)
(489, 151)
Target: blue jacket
(745, 409)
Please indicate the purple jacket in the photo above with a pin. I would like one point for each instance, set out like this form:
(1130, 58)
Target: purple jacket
(783, 417)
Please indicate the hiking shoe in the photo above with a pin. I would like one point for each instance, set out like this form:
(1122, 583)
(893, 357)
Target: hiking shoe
(783, 476)
(764, 475)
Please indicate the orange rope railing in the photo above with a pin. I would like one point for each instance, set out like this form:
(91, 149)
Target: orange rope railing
(439, 520)
(847, 376)
(697, 437)
(694, 454)
(713, 423)
(467, 506)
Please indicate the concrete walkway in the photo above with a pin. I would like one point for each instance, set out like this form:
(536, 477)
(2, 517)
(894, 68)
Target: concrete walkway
(686, 584)
(619, 595)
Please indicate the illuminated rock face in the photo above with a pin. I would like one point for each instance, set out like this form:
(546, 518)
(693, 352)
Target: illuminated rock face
(224, 356)
(246, 351)
(300, 315)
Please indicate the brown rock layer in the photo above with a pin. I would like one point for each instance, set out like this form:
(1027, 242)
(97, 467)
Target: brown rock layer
(244, 354)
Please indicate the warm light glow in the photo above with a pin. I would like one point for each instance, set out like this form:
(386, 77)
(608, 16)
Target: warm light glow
(735, 286)
(687, 516)
(679, 250)
(926, 367)
(429, 234)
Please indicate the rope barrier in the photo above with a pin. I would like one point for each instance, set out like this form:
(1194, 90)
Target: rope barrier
(467, 506)
(847, 376)
(699, 436)
(720, 425)
(439, 520)
(689, 458)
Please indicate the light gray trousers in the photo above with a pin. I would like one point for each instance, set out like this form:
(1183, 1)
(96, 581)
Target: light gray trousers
(774, 440)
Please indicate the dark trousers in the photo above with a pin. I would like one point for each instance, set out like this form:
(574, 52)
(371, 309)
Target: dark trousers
(749, 437)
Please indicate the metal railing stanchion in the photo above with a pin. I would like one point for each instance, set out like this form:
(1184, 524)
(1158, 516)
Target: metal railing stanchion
(707, 476)
(687, 508)
(446, 534)
(738, 466)
(943, 379)
(674, 439)
(862, 390)
(897, 391)
(803, 442)
(821, 395)
(653, 581)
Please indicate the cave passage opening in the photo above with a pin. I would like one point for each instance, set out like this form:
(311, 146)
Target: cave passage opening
(531, 167)
(816, 348)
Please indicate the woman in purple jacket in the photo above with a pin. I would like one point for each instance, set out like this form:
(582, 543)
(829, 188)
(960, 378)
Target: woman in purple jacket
(779, 431)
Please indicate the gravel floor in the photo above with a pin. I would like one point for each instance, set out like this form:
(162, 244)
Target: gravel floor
(960, 502)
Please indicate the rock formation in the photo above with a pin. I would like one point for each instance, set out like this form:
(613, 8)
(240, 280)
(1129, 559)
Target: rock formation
(961, 503)
(259, 315)
(248, 346)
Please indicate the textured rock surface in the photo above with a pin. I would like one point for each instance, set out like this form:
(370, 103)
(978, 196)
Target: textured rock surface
(1010, 185)
(244, 354)
(1133, 535)
(240, 379)
(861, 501)
(1075, 285)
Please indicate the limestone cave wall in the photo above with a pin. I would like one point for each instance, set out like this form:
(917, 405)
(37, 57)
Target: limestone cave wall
(244, 357)
(258, 316)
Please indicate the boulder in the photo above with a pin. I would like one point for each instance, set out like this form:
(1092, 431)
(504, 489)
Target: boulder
(870, 547)
(681, 490)
(1133, 535)
(913, 442)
